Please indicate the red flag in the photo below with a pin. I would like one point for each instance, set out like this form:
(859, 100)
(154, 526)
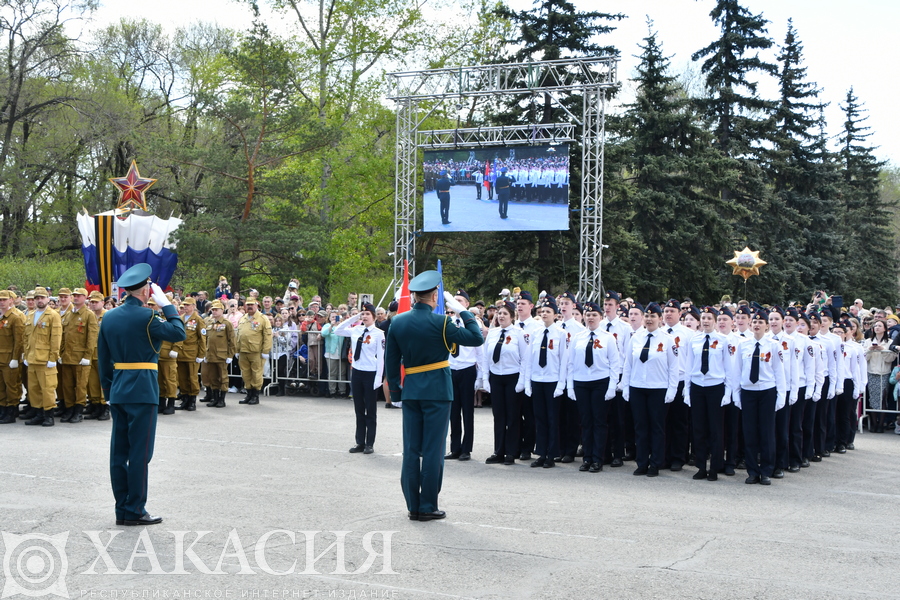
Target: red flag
(487, 173)
(403, 303)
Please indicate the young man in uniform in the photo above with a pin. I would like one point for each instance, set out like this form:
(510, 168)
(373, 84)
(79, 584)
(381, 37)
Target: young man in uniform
(79, 336)
(98, 408)
(192, 350)
(254, 343)
(43, 334)
(465, 374)
(12, 344)
(220, 348)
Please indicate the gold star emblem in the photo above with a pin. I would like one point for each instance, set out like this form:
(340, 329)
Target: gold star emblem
(746, 263)
(132, 188)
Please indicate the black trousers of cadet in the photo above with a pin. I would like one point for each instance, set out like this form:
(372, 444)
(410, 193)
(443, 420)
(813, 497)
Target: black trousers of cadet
(831, 419)
(795, 443)
(845, 415)
(809, 428)
(462, 411)
(734, 436)
(783, 434)
(526, 428)
(593, 409)
(569, 426)
(362, 386)
(709, 424)
(505, 409)
(649, 409)
(620, 420)
(758, 407)
(677, 428)
(820, 428)
(546, 418)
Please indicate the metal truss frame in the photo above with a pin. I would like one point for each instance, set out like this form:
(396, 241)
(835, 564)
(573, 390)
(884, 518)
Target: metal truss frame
(414, 90)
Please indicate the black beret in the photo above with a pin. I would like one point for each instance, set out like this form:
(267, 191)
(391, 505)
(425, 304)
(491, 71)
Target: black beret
(369, 307)
(462, 293)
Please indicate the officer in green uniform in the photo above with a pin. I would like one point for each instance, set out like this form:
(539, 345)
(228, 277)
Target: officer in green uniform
(128, 352)
(423, 342)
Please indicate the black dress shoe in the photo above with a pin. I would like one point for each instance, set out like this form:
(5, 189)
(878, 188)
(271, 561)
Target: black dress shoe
(677, 466)
(509, 460)
(652, 471)
(464, 456)
(549, 463)
(778, 474)
(357, 448)
(368, 450)
(712, 476)
(700, 475)
(793, 469)
(120, 521)
(729, 471)
(816, 458)
(567, 459)
(851, 447)
(432, 516)
(580, 452)
(452, 456)
(538, 463)
(751, 480)
(640, 471)
(413, 516)
(804, 464)
(765, 480)
(826, 453)
(741, 465)
(494, 459)
(616, 462)
(146, 519)
(596, 468)
(584, 467)
(841, 450)
(628, 456)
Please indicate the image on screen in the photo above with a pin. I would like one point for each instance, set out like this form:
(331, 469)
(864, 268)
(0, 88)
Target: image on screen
(500, 188)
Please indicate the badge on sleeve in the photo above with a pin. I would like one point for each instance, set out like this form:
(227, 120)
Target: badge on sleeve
(203, 331)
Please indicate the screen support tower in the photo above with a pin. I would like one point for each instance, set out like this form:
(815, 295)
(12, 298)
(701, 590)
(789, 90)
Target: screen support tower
(418, 94)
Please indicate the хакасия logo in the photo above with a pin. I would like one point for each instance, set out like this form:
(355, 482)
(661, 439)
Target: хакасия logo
(34, 565)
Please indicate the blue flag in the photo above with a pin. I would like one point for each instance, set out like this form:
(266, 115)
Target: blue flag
(439, 309)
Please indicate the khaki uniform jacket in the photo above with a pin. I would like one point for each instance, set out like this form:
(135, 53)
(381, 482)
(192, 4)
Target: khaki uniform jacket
(99, 321)
(220, 341)
(254, 334)
(79, 335)
(12, 336)
(44, 338)
(167, 347)
(194, 345)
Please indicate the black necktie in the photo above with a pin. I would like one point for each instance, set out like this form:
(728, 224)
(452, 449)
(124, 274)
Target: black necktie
(608, 326)
(359, 343)
(704, 361)
(670, 331)
(645, 351)
(522, 324)
(542, 359)
(589, 352)
(754, 365)
(455, 352)
(499, 345)
(563, 325)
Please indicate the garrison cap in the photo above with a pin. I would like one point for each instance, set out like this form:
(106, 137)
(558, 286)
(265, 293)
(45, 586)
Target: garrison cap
(654, 309)
(41, 292)
(464, 295)
(29, 295)
(64, 292)
(611, 295)
(80, 291)
(710, 310)
(693, 311)
(549, 303)
(136, 277)
(579, 307)
(369, 307)
(95, 295)
(526, 296)
(726, 311)
(592, 306)
(638, 306)
(251, 300)
(567, 294)
(814, 316)
(744, 310)
(792, 312)
(6, 295)
(508, 306)
(840, 324)
(189, 301)
(673, 303)
(425, 282)
(216, 304)
(779, 310)
(760, 314)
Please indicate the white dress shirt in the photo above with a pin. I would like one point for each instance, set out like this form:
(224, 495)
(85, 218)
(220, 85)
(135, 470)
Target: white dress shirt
(806, 358)
(719, 363)
(791, 363)
(513, 352)
(771, 368)
(605, 353)
(371, 357)
(660, 371)
(556, 368)
(682, 336)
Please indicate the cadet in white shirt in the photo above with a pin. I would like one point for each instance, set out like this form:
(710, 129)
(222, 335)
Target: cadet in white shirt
(823, 435)
(465, 365)
(649, 383)
(678, 418)
(707, 391)
(569, 427)
(506, 365)
(759, 368)
(806, 382)
(619, 411)
(792, 378)
(734, 435)
(367, 344)
(853, 385)
(547, 383)
(810, 417)
(594, 367)
(529, 326)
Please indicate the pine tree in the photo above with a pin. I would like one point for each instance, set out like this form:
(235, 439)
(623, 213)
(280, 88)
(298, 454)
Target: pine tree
(673, 170)
(870, 240)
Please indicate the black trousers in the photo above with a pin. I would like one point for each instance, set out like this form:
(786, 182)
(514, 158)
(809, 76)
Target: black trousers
(845, 415)
(503, 201)
(809, 428)
(569, 426)
(795, 443)
(820, 428)
(445, 207)
(678, 420)
(462, 411)
(648, 406)
(783, 435)
(758, 407)
(594, 410)
(831, 419)
(621, 428)
(505, 409)
(365, 404)
(709, 424)
(546, 418)
(526, 427)
(734, 436)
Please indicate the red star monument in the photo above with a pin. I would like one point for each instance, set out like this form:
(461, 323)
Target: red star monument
(132, 188)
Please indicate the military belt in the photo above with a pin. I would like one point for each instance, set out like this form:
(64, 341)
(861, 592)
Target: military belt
(424, 368)
(135, 366)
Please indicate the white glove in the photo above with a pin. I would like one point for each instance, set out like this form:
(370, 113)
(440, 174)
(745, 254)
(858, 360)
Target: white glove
(528, 390)
(51, 365)
(452, 303)
(520, 386)
(792, 399)
(173, 354)
(779, 402)
(198, 359)
(726, 399)
(25, 362)
(228, 361)
(237, 354)
(477, 384)
(687, 400)
(558, 392)
(816, 397)
(670, 397)
(625, 393)
(486, 386)
(610, 393)
(13, 364)
(265, 357)
(571, 394)
(737, 399)
(84, 362)
(159, 296)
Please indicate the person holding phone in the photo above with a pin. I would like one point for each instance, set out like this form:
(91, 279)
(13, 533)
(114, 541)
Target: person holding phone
(879, 359)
